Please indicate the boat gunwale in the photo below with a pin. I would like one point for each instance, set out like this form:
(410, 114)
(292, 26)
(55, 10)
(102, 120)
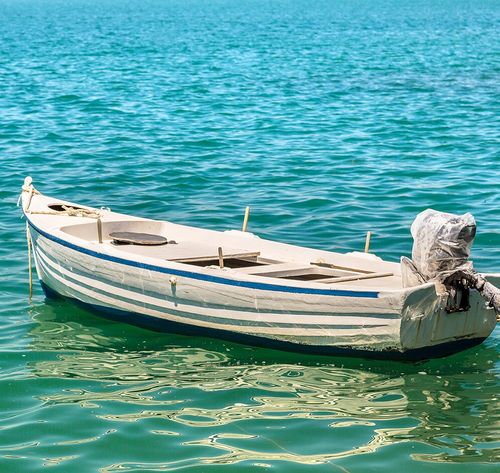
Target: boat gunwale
(202, 276)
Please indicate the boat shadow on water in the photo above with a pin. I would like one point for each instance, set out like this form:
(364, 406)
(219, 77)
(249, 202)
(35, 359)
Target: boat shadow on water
(238, 401)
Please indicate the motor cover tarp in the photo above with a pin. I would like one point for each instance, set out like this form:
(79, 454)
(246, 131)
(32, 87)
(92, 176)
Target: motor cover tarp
(442, 243)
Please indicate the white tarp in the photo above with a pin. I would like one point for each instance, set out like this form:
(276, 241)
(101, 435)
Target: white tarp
(442, 243)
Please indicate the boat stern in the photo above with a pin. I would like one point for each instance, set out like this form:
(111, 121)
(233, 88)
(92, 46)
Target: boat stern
(426, 322)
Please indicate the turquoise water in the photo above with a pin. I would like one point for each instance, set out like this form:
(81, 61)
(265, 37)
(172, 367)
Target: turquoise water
(328, 118)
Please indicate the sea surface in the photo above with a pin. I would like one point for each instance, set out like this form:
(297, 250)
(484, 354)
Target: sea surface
(329, 119)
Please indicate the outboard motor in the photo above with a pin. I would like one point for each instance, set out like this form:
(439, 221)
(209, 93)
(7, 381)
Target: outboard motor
(442, 243)
(441, 248)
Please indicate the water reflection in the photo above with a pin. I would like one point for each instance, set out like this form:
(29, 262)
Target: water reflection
(245, 404)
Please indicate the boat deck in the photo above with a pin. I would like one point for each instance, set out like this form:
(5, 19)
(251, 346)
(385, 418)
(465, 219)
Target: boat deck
(245, 262)
(241, 254)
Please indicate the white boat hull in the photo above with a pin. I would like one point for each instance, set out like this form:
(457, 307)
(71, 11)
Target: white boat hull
(409, 324)
(272, 294)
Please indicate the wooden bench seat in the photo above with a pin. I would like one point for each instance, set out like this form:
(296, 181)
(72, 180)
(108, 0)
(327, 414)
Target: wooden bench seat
(271, 269)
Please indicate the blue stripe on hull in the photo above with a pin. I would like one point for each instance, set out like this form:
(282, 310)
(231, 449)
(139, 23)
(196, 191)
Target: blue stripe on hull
(192, 316)
(190, 303)
(206, 277)
(161, 325)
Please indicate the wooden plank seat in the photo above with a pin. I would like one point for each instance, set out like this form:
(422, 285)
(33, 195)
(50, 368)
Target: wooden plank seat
(299, 271)
(302, 271)
(342, 268)
(272, 269)
(200, 259)
(357, 277)
(188, 252)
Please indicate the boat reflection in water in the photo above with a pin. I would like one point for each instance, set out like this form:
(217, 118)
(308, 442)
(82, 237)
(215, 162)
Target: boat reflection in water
(212, 402)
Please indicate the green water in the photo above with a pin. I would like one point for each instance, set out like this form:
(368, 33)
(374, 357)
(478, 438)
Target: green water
(328, 118)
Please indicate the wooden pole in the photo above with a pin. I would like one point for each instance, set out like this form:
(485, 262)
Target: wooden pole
(245, 220)
(221, 257)
(30, 271)
(367, 242)
(99, 230)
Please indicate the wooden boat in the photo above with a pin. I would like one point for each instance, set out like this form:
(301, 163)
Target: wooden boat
(235, 285)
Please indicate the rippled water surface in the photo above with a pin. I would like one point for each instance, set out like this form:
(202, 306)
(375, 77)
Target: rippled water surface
(328, 118)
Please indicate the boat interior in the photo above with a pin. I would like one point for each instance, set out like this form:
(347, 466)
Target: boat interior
(224, 250)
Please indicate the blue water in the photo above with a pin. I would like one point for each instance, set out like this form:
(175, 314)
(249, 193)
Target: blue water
(328, 118)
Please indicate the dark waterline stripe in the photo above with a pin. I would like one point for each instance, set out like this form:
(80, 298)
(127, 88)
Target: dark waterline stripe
(162, 325)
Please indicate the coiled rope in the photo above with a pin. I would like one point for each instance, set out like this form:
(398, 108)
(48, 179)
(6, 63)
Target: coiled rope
(67, 210)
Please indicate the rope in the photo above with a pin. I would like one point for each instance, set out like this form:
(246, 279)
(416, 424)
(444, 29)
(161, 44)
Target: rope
(69, 212)
(28, 189)
(30, 271)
